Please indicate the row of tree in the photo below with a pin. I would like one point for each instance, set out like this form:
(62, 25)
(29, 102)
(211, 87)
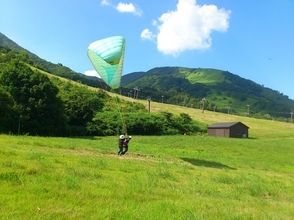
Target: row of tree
(144, 123)
(31, 103)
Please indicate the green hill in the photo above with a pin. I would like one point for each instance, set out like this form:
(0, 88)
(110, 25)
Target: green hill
(12, 49)
(222, 90)
(37, 102)
(181, 86)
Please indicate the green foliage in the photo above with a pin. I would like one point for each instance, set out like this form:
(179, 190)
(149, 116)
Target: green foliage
(35, 99)
(14, 51)
(80, 105)
(184, 124)
(105, 123)
(61, 108)
(35, 113)
(205, 76)
(143, 123)
(122, 105)
(222, 90)
(7, 111)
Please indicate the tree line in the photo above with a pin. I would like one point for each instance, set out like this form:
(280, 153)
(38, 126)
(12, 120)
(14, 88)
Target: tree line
(32, 103)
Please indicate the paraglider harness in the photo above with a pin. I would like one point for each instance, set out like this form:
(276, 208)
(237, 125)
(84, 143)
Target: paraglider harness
(123, 144)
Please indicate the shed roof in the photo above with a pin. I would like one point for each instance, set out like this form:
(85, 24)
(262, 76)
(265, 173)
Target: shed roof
(225, 124)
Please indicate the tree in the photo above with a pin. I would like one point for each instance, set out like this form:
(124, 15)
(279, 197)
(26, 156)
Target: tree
(186, 125)
(40, 110)
(80, 106)
(7, 113)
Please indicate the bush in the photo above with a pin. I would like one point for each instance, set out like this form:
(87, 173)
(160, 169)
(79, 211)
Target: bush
(182, 124)
(142, 123)
(80, 106)
(105, 123)
(145, 124)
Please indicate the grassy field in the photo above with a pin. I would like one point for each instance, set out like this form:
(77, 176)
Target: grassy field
(163, 177)
(167, 177)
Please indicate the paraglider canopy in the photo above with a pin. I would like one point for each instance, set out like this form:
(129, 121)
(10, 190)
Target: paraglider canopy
(107, 56)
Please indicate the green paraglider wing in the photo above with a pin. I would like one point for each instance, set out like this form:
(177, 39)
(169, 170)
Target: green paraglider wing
(107, 56)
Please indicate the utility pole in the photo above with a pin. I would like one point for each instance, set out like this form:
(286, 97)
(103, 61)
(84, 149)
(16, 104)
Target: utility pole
(149, 100)
(203, 100)
(291, 116)
(162, 99)
(136, 92)
(248, 110)
(229, 108)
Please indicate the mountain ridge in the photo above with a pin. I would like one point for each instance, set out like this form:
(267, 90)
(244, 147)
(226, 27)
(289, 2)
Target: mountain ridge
(205, 88)
(220, 90)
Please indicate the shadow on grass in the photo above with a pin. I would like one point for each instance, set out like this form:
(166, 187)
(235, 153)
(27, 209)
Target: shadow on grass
(86, 137)
(206, 163)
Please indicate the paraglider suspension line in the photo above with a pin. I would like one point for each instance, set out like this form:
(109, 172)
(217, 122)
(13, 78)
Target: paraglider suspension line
(124, 126)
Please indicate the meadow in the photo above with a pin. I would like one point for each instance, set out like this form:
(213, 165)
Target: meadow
(161, 177)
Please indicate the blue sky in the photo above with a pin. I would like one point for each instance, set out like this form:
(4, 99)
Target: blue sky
(253, 39)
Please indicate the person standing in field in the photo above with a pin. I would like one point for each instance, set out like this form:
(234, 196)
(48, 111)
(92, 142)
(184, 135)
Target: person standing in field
(121, 141)
(126, 144)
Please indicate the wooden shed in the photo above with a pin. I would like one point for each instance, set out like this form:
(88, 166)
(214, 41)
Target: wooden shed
(228, 129)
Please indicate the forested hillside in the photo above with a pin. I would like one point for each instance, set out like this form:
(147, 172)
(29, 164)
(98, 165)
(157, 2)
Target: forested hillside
(211, 89)
(13, 50)
(33, 100)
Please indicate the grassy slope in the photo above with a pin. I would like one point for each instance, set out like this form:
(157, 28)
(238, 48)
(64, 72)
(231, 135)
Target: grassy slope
(209, 76)
(175, 177)
(169, 177)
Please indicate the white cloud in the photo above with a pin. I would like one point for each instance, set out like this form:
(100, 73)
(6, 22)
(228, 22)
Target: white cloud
(91, 73)
(154, 22)
(146, 34)
(105, 2)
(189, 27)
(128, 8)
(123, 7)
